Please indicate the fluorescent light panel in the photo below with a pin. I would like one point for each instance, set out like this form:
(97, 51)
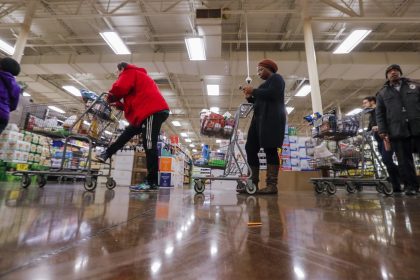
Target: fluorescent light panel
(56, 109)
(6, 47)
(184, 134)
(215, 109)
(194, 150)
(213, 90)
(192, 145)
(289, 109)
(352, 41)
(25, 94)
(354, 112)
(188, 140)
(124, 122)
(195, 48)
(303, 91)
(115, 42)
(176, 123)
(73, 90)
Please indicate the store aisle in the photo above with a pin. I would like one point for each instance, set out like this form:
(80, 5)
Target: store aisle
(63, 232)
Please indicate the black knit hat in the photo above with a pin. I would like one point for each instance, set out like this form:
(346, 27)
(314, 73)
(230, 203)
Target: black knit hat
(122, 65)
(392, 66)
(10, 65)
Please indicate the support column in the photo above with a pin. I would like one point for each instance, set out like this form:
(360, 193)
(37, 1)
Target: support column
(312, 66)
(24, 31)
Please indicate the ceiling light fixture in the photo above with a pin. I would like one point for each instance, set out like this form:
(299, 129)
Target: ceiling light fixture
(195, 48)
(188, 140)
(303, 91)
(354, 112)
(115, 42)
(352, 41)
(58, 110)
(184, 134)
(192, 145)
(289, 109)
(213, 90)
(176, 123)
(73, 90)
(25, 94)
(215, 109)
(6, 47)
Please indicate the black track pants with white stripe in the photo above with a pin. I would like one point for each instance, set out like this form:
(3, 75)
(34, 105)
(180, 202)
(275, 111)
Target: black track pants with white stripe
(150, 130)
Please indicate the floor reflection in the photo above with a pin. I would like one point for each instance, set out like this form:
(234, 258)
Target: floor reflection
(63, 231)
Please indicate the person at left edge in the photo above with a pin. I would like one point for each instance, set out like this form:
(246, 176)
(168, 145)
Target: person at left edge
(146, 110)
(9, 89)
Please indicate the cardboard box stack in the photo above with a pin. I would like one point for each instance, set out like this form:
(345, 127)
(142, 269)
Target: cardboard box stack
(171, 165)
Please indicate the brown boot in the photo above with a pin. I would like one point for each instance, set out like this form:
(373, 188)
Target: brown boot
(255, 179)
(272, 174)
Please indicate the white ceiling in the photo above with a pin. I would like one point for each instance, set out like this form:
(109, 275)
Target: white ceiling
(64, 48)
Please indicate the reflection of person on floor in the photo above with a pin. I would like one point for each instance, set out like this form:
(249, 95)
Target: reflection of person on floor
(268, 234)
(267, 125)
(146, 110)
(394, 176)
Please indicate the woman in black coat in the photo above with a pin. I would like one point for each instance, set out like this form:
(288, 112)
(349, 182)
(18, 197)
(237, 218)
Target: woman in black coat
(267, 124)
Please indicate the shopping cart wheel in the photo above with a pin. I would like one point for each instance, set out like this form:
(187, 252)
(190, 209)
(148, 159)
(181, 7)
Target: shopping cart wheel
(387, 188)
(351, 187)
(199, 186)
(250, 187)
(331, 188)
(41, 181)
(379, 187)
(240, 186)
(319, 188)
(110, 183)
(26, 181)
(90, 184)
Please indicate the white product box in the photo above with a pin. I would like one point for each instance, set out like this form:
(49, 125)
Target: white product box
(122, 178)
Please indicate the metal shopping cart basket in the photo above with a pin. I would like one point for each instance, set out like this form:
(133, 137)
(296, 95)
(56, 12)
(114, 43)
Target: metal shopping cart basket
(354, 162)
(236, 167)
(95, 127)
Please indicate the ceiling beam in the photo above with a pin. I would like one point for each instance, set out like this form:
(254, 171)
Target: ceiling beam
(345, 10)
(409, 20)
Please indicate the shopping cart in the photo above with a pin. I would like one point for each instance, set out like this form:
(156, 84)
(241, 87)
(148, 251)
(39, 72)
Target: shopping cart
(236, 167)
(62, 122)
(353, 161)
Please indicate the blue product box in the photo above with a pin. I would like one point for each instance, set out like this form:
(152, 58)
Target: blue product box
(165, 179)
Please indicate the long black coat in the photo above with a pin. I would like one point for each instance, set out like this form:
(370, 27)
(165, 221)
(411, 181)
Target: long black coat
(398, 113)
(269, 111)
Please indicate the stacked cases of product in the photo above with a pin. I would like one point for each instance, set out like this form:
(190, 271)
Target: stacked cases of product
(171, 165)
(294, 155)
(24, 147)
(128, 167)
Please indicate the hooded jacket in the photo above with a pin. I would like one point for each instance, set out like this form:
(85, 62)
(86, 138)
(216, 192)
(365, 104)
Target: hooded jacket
(398, 112)
(9, 94)
(140, 95)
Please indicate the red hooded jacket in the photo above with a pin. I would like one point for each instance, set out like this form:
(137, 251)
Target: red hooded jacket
(140, 94)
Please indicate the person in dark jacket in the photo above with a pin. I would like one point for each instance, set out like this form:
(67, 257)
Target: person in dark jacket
(369, 104)
(267, 125)
(398, 118)
(9, 89)
(146, 110)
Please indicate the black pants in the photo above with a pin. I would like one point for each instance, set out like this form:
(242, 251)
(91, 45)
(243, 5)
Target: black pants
(3, 124)
(252, 147)
(150, 130)
(404, 150)
(391, 167)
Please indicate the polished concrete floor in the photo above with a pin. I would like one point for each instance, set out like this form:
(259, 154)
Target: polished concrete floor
(63, 232)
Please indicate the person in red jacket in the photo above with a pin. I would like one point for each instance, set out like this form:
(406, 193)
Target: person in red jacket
(146, 110)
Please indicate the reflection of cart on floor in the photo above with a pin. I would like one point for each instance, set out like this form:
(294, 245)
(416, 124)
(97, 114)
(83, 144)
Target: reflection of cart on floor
(234, 168)
(353, 163)
(94, 127)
